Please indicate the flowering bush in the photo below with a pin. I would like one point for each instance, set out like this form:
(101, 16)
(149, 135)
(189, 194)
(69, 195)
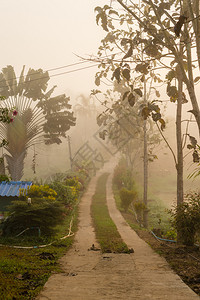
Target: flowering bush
(42, 212)
(36, 191)
(66, 195)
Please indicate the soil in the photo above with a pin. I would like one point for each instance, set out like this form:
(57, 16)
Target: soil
(185, 261)
(89, 275)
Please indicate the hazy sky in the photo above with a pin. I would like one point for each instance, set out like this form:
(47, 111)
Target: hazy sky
(46, 34)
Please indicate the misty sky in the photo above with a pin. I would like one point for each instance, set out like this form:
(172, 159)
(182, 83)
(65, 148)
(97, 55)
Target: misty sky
(46, 34)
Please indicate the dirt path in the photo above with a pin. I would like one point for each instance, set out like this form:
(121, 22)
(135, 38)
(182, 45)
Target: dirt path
(90, 275)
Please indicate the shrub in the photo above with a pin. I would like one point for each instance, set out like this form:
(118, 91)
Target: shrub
(186, 219)
(44, 212)
(122, 176)
(4, 178)
(118, 176)
(139, 208)
(66, 195)
(127, 197)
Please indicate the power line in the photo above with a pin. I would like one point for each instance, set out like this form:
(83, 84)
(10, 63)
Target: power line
(58, 68)
(48, 70)
(67, 72)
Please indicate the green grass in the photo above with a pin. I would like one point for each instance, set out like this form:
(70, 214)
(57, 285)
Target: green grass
(23, 272)
(158, 216)
(106, 231)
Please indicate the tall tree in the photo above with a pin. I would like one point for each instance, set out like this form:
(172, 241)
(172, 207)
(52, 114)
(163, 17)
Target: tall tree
(163, 30)
(41, 117)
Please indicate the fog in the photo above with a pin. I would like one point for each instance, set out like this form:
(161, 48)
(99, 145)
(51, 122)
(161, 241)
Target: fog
(51, 35)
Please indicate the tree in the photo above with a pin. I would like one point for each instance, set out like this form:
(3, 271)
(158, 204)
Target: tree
(131, 69)
(155, 21)
(159, 43)
(40, 117)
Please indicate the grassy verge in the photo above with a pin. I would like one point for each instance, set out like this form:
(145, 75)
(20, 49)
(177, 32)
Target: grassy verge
(106, 231)
(23, 272)
(157, 217)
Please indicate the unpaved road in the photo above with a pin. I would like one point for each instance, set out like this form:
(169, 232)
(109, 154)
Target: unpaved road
(90, 275)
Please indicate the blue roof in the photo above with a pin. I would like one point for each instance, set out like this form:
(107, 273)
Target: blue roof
(11, 188)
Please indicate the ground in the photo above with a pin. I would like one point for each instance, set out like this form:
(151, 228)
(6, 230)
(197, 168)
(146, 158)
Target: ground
(89, 275)
(185, 261)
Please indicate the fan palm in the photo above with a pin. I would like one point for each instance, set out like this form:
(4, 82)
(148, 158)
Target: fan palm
(40, 117)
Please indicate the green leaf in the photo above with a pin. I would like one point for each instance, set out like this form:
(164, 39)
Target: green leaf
(172, 91)
(197, 79)
(145, 112)
(126, 74)
(97, 81)
(138, 92)
(193, 141)
(125, 41)
(129, 53)
(116, 74)
(112, 11)
(170, 75)
(94, 92)
(125, 95)
(142, 68)
(196, 158)
(156, 116)
(131, 100)
(190, 147)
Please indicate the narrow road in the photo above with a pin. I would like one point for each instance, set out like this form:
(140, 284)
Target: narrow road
(90, 275)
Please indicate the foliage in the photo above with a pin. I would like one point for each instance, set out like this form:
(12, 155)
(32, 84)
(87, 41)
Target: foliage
(66, 194)
(186, 218)
(35, 191)
(4, 178)
(23, 272)
(44, 212)
(119, 172)
(139, 208)
(161, 31)
(122, 176)
(40, 117)
(171, 234)
(127, 197)
(74, 182)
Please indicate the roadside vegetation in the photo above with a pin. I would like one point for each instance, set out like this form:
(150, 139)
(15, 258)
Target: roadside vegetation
(106, 232)
(25, 269)
(184, 256)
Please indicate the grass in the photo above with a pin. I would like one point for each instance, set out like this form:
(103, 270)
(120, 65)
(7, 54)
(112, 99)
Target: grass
(23, 272)
(106, 231)
(157, 217)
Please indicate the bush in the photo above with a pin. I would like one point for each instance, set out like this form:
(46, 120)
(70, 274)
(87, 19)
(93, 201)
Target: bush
(127, 197)
(66, 195)
(122, 176)
(119, 173)
(186, 219)
(139, 208)
(44, 212)
(4, 178)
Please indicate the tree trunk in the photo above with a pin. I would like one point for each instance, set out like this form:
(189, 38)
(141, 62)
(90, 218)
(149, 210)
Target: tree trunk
(179, 165)
(145, 192)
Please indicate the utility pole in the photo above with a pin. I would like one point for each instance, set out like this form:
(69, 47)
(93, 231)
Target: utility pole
(70, 152)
